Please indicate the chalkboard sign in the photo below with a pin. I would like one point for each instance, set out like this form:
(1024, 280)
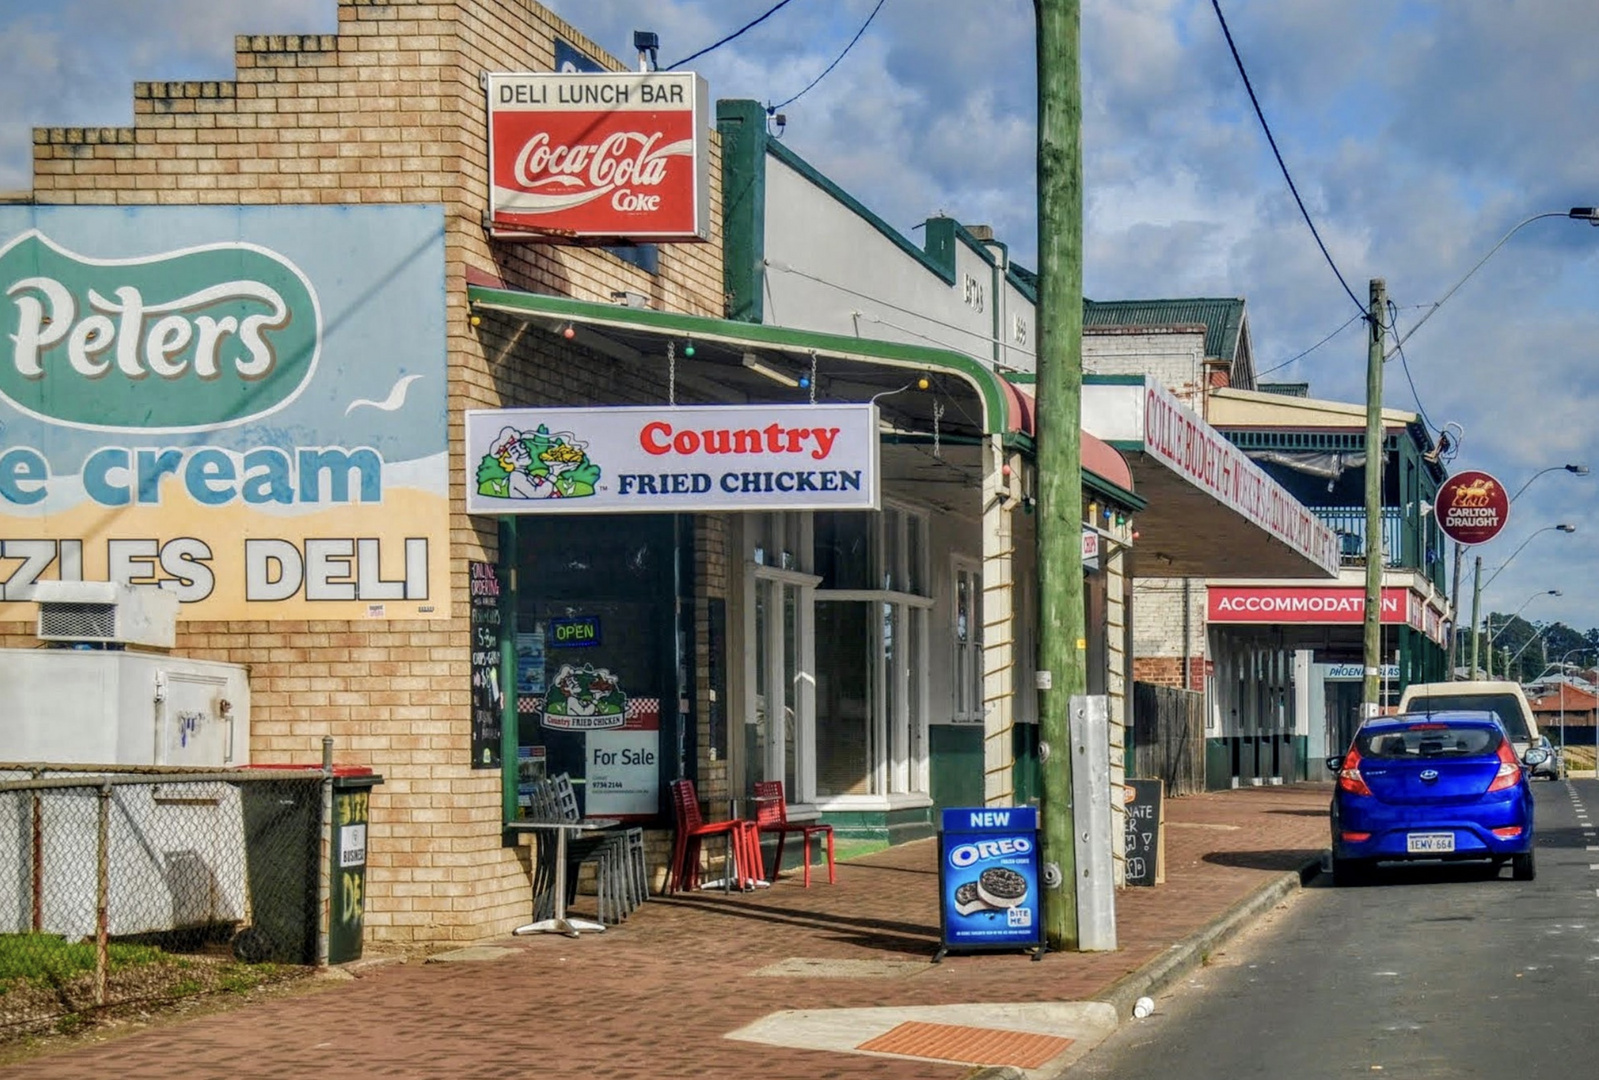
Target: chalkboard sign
(1143, 802)
(486, 691)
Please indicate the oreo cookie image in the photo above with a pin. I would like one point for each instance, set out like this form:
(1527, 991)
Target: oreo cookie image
(1000, 887)
(967, 900)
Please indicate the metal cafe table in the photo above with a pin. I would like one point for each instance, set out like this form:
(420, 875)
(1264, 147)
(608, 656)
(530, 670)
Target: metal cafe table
(560, 923)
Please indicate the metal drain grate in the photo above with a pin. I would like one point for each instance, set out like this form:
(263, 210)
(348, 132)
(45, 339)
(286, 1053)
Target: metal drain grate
(968, 1045)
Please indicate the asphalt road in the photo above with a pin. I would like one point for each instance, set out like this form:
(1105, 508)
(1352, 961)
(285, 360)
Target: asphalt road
(1429, 972)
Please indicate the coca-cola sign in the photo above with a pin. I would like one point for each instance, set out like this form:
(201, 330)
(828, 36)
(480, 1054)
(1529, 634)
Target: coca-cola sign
(577, 156)
(1472, 507)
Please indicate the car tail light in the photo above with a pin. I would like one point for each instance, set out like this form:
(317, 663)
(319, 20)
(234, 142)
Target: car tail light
(1356, 837)
(1509, 769)
(1349, 778)
(1509, 832)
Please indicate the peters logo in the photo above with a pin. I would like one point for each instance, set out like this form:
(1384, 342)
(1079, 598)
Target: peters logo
(185, 340)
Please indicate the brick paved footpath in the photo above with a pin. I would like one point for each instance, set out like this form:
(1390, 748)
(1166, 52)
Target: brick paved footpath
(654, 997)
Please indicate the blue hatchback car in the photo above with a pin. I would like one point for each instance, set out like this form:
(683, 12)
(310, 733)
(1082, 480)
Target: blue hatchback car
(1441, 785)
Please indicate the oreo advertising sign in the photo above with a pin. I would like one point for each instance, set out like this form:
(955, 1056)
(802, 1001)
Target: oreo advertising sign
(989, 882)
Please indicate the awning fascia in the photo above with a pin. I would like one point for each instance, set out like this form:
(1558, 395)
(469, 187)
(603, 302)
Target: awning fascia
(1002, 412)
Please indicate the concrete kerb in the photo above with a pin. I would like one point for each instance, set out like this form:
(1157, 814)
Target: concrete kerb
(1189, 953)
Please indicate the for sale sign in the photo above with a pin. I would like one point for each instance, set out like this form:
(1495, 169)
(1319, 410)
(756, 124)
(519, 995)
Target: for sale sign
(577, 156)
(1472, 507)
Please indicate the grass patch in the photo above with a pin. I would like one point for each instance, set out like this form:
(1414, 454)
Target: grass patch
(845, 850)
(1579, 757)
(47, 983)
(49, 960)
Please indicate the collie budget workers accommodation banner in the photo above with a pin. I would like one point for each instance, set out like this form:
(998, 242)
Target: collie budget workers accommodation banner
(672, 459)
(242, 405)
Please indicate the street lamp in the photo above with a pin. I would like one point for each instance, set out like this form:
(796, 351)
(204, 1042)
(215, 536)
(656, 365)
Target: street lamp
(1506, 625)
(1575, 469)
(1590, 214)
(1476, 592)
(1564, 527)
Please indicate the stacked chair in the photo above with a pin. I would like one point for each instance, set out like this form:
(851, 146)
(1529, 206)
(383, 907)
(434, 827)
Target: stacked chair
(684, 870)
(621, 872)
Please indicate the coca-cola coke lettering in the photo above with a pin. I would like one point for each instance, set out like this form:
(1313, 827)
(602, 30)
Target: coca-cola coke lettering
(620, 158)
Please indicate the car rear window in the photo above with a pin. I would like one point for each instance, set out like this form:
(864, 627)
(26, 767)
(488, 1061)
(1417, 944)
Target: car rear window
(1504, 706)
(1429, 740)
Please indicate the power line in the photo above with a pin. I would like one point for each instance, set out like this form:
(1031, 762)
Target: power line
(1313, 348)
(773, 108)
(1253, 100)
(773, 10)
(1404, 364)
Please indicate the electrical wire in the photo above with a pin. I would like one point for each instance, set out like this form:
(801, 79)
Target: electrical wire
(1313, 348)
(1404, 364)
(770, 109)
(768, 13)
(1253, 100)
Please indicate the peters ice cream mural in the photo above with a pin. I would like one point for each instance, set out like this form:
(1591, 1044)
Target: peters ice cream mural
(243, 405)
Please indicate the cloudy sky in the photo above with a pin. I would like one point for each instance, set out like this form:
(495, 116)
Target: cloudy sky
(1418, 134)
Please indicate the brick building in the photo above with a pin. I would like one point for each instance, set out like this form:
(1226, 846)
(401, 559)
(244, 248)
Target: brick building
(389, 111)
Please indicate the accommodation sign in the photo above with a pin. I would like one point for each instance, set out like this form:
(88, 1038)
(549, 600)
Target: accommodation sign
(577, 155)
(1311, 604)
(241, 405)
(672, 460)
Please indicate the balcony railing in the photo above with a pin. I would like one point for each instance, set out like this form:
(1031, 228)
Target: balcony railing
(1349, 523)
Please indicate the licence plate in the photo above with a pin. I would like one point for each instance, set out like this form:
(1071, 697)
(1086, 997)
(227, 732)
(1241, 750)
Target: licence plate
(1422, 842)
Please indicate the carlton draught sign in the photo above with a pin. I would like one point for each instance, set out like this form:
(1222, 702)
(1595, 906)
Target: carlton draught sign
(1472, 507)
(599, 156)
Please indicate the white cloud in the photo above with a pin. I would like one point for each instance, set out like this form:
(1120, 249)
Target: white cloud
(1417, 132)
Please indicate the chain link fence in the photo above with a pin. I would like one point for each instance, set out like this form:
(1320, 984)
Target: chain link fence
(123, 887)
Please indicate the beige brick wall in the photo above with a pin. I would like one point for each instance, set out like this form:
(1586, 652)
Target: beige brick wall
(388, 110)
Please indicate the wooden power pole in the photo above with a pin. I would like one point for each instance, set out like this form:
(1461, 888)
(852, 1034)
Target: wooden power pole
(1062, 638)
(1371, 701)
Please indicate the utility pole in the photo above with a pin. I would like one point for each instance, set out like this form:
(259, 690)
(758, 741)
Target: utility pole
(1371, 700)
(1062, 637)
(1476, 602)
(1454, 610)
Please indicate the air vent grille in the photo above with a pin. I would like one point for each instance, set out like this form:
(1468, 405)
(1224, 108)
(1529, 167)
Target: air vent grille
(80, 622)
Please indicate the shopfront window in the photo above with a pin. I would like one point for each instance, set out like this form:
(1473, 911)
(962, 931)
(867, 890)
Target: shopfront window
(845, 693)
(968, 634)
(872, 611)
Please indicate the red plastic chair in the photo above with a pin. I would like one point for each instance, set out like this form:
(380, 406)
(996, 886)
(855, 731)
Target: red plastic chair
(771, 816)
(683, 873)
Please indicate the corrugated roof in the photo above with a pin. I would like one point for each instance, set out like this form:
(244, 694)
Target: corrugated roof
(1222, 318)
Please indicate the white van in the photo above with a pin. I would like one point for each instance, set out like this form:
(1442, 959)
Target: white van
(1503, 699)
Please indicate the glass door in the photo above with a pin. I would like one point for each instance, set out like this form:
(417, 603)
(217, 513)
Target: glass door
(778, 716)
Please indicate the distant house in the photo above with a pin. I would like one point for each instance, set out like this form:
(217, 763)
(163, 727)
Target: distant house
(1562, 704)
